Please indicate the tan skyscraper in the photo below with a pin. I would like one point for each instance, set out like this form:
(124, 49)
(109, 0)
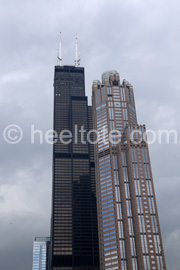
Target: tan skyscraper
(128, 224)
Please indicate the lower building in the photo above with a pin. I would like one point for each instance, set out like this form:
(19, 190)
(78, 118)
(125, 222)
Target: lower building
(40, 253)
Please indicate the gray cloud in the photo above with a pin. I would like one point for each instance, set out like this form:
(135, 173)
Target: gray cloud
(138, 38)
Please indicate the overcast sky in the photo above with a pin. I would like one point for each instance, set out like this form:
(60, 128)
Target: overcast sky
(141, 40)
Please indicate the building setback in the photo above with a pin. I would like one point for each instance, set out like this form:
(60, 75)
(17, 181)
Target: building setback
(128, 224)
(74, 232)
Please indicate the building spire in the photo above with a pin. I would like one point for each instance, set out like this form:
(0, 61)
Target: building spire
(77, 61)
(59, 55)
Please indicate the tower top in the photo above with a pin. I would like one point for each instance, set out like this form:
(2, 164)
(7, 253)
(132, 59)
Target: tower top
(77, 61)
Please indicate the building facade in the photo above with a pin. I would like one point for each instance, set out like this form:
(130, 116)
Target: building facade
(128, 224)
(40, 253)
(74, 232)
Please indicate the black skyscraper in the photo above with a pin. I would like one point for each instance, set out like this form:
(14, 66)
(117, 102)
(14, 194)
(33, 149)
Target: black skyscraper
(74, 234)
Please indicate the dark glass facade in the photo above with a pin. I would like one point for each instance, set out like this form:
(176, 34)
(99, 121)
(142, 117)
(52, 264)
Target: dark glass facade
(74, 233)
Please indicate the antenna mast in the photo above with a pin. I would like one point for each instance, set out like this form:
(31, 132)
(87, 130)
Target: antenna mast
(59, 56)
(77, 61)
(60, 51)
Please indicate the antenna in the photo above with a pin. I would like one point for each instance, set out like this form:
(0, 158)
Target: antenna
(77, 61)
(60, 51)
(59, 55)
